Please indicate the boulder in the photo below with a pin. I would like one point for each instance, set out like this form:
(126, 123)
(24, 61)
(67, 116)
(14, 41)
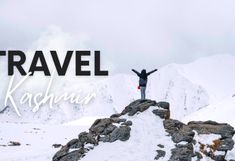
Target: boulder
(162, 113)
(138, 106)
(172, 126)
(117, 120)
(182, 136)
(160, 154)
(74, 144)
(164, 105)
(122, 133)
(160, 146)
(182, 153)
(87, 138)
(73, 156)
(127, 123)
(208, 127)
(61, 153)
(226, 144)
(99, 126)
(115, 115)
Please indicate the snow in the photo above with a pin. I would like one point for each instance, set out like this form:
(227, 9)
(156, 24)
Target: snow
(231, 154)
(201, 90)
(222, 111)
(215, 74)
(85, 121)
(36, 140)
(205, 140)
(147, 132)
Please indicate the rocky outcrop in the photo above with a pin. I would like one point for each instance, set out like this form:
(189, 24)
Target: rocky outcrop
(178, 131)
(163, 111)
(160, 154)
(102, 130)
(208, 127)
(181, 132)
(118, 128)
(182, 153)
(138, 106)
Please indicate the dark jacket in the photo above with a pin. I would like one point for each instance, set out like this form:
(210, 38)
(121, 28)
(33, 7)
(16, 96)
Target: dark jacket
(143, 77)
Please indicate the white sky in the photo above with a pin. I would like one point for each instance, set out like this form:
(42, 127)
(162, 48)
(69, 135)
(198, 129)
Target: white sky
(129, 33)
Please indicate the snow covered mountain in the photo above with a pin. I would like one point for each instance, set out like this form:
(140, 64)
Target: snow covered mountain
(143, 131)
(188, 87)
(201, 90)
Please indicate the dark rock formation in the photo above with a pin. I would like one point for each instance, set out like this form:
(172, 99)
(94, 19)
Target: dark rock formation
(182, 153)
(181, 132)
(164, 105)
(138, 106)
(127, 123)
(160, 146)
(118, 128)
(122, 133)
(162, 113)
(209, 127)
(160, 154)
(14, 143)
(101, 130)
(73, 156)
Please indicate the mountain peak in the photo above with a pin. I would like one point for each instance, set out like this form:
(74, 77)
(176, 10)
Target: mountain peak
(144, 131)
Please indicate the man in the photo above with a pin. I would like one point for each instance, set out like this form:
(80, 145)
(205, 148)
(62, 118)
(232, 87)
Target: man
(143, 80)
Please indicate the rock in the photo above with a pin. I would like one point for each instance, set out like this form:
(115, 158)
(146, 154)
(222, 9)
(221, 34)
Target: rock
(209, 127)
(181, 136)
(128, 123)
(226, 144)
(172, 126)
(117, 128)
(100, 125)
(74, 144)
(85, 137)
(14, 143)
(73, 156)
(109, 129)
(164, 105)
(62, 152)
(160, 146)
(117, 120)
(115, 115)
(122, 133)
(198, 155)
(162, 113)
(182, 153)
(138, 106)
(160, 154)
(56, 145)
(219, 158)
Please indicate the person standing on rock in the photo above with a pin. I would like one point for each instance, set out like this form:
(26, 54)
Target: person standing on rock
(143, 81)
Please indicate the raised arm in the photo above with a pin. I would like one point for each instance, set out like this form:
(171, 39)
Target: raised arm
(151, 71)
(136, 72)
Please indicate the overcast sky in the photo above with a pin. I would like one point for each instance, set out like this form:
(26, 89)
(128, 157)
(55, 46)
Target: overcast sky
(129, 33)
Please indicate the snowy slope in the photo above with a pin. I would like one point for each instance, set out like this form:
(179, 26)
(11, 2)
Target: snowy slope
(221, 111)
(36, 140)
(215, 74)
(195, 91)
(147, 132)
